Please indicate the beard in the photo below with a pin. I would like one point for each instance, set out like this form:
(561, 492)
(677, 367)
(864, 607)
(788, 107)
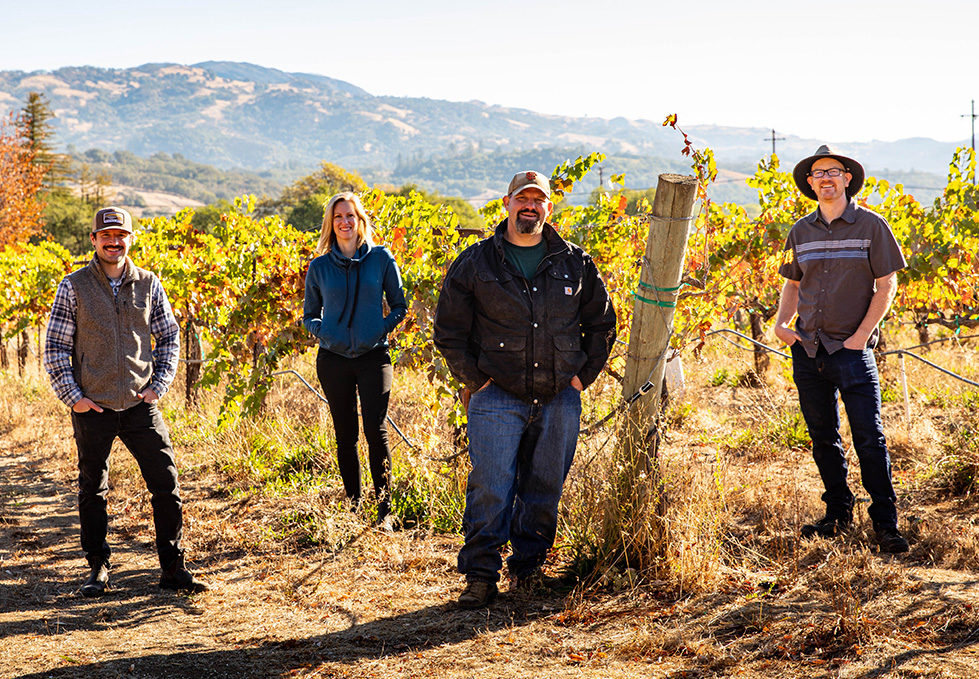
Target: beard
(527, 224)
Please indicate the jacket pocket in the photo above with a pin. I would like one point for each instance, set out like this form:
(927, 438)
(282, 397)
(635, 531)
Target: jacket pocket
(568, 357)
(563, 300)
(503, 358)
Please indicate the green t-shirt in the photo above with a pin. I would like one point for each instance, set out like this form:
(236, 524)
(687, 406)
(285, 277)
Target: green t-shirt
(525, 259)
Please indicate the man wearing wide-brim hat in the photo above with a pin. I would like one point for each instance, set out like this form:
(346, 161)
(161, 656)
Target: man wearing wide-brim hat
(840, 266)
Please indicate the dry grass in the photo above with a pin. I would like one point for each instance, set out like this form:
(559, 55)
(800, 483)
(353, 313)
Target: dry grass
(307, 588)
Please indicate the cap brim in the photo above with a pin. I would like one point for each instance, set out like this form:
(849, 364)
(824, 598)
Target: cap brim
(109, 227)
(529, 185)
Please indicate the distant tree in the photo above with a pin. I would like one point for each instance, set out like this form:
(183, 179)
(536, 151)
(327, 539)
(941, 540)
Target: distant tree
(68, 219)
(301, 204)
(20, 182)
(35, 121)
(103, 180)
(86, 187)
(207, 217)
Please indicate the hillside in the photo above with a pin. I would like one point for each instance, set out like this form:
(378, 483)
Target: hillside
(242, 115)
(239, 114)
(282, 125)
(175, 174)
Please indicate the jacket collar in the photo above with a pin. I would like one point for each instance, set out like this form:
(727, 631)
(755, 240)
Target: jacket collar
(128, 273)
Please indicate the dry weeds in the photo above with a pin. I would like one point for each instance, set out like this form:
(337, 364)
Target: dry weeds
(304, 587)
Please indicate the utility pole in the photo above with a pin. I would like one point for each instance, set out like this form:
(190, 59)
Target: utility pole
(973, 121)
(973, 116)
(601, 177)
(774, 139)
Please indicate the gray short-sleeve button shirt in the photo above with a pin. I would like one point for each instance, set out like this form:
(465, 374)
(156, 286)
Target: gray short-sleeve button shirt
(836, 266)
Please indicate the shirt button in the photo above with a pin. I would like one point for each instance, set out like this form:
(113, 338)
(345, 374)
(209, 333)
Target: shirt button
(535, 401)
(565, 275)
(535, 289)
(535, 325)
(536, 364)
(501, 344)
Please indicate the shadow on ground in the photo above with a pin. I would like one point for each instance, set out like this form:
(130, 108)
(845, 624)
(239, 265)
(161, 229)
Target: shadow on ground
(415, 631)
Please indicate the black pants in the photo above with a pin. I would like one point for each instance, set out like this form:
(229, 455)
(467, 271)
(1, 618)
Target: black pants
(143, 431)
(342, 379)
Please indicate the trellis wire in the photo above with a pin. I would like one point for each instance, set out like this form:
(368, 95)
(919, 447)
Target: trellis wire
(313, 389)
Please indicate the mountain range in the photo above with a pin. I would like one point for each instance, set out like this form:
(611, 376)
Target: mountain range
(232, 114)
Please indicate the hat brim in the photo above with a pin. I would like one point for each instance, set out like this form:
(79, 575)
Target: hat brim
(529, 185)
(117, 227)
(802, 168)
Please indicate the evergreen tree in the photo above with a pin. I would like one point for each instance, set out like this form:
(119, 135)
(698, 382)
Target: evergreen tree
(35, 121)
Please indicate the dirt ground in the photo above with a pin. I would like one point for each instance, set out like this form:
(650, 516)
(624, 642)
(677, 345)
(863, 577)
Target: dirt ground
(382, 605)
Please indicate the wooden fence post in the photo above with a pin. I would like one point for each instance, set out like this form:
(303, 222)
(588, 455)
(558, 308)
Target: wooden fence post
(23, 349)
(632, 527)
(192, 355)
(4, 358)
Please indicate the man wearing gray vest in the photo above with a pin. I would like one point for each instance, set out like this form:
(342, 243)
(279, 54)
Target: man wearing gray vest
(102, 363)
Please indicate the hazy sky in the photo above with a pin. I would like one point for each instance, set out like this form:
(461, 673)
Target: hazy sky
(836, 71)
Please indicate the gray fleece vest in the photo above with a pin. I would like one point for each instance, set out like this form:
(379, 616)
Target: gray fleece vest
(112, 358)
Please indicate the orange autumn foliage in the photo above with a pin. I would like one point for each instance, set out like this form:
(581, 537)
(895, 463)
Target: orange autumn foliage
(20, 181)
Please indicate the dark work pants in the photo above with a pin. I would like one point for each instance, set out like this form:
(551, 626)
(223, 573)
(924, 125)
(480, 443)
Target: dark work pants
(853, 375)
(342, 379)
(143, 431)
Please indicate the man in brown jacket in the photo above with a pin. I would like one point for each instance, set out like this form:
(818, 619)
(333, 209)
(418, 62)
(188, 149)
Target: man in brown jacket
(100, 356)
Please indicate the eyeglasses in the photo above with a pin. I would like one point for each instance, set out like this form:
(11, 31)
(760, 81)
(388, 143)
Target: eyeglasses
(831, 172)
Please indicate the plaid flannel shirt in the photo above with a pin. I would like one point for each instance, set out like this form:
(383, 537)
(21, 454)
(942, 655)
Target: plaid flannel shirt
(60, 342)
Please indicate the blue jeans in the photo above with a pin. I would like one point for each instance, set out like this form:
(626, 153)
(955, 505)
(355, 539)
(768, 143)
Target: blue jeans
(521, 454)
(853, 375)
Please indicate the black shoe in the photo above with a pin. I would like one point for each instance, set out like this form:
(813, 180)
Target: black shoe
(97, 581)
(891, 541)
(478, 594)
(181, 579)
(528, 585)
(826, 527)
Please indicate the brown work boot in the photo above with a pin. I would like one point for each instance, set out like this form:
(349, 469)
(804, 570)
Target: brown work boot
(477, 594)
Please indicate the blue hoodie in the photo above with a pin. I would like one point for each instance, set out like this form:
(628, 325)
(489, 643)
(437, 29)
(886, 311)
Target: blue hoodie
(343, 309)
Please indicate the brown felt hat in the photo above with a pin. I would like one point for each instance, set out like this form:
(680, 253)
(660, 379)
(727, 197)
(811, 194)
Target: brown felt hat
(802, 168)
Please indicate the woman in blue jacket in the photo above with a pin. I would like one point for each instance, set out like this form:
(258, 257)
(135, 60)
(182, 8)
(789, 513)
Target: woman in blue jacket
(343, 309)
